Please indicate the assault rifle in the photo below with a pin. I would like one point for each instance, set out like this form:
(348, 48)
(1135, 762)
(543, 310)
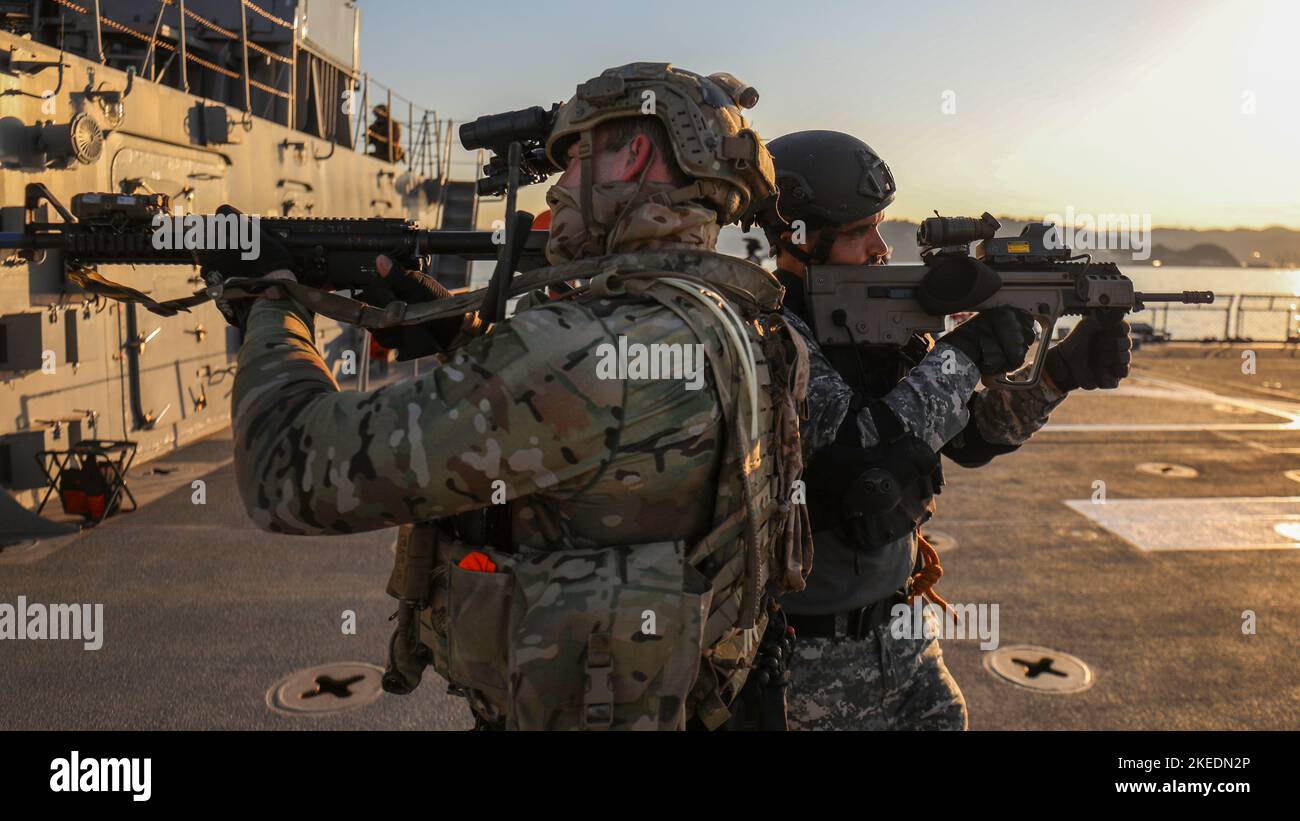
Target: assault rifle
(329, 253)
(886, 305)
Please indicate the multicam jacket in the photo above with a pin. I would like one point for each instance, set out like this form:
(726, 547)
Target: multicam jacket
(534, 414)
(605, 460)
(525, 411)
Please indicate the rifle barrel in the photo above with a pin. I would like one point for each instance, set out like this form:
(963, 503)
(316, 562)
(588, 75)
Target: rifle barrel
(477, 244)
(472, 245)
(1185, 297)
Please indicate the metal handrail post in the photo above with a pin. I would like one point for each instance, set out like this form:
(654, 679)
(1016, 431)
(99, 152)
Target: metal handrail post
(185, 59)
(437, 142)
(150, 60)
(430, 117)
(293, 80)
(243, 34)
(447, 138)
(413, 155)
(388, 107)
(99, 34)
(365, 112)
(425, 148)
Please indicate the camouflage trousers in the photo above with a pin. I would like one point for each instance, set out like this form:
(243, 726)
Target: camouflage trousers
(875, 683)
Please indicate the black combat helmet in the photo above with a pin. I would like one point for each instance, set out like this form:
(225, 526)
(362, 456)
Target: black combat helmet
(828, 177)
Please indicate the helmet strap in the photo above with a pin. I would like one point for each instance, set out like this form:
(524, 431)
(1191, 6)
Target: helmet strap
(821, 246)
(595, 244)
(825, 241)
(635, 199)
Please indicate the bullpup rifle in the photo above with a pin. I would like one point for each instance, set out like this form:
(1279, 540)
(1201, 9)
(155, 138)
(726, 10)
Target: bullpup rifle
(886, 305)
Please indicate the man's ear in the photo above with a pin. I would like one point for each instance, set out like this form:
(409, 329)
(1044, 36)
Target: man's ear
(640, 153)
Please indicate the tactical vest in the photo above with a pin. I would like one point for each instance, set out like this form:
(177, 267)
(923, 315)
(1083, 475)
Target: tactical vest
(557, 638)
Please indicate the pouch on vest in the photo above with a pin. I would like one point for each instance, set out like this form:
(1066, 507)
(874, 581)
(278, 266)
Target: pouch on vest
(466, 625)
(606, 638)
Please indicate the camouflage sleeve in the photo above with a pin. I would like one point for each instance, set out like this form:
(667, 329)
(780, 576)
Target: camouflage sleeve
(1010, 417)
(509, 406)
(930, 401)
(828, 397)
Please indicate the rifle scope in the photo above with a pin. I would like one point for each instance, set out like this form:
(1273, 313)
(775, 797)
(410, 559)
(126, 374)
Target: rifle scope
(496, 131)
(936, 232)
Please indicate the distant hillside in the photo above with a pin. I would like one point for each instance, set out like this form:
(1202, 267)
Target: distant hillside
(1277, 247)
(1201, 254)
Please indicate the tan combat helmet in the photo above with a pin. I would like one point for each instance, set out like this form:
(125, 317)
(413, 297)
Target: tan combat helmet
(712, 142)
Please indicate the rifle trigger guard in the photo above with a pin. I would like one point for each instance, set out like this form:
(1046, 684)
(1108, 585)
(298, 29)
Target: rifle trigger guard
(1048, 323)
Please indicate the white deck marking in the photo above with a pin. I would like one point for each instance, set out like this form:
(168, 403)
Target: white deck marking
(1167, 390)
(1223, 523)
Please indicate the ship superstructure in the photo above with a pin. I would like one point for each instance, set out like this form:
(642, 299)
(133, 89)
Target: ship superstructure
(262, 105)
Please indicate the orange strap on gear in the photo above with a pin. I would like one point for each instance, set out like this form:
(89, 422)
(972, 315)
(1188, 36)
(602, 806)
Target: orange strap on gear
(479, 562)
(928, 576)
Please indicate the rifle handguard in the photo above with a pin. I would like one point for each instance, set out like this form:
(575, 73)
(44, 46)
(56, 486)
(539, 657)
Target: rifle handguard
(956, 283)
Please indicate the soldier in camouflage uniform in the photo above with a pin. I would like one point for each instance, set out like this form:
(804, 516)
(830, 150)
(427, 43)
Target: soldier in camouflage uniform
(632, 525)
(887, 406)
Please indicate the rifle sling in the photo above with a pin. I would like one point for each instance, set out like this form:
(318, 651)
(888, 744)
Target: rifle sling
(355, 312)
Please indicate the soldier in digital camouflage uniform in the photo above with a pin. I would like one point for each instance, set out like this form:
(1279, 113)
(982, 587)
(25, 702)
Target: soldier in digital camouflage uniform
(624, 581)
(892, 407)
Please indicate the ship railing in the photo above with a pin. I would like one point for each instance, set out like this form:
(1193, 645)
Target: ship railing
(428, 139)
(1233, 317)
(425, 145)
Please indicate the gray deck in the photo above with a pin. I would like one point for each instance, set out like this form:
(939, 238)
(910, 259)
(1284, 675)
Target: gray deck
(204, 613)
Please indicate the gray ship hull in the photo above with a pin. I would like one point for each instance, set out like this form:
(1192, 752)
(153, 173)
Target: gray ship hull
(73, 367)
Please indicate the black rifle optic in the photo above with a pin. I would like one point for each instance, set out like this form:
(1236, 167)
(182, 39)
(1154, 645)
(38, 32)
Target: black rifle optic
(939, 232)
(495, 132)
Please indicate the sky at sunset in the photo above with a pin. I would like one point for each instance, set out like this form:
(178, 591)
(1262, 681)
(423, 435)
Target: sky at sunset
(1188, 111)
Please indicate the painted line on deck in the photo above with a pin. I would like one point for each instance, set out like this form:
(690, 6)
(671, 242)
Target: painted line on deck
(1192, 394)
(1214, 523)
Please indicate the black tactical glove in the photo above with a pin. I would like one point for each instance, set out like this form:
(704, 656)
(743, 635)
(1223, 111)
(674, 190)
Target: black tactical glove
(411, 341)
(218, 265)
(996, 340)
(1094, 355)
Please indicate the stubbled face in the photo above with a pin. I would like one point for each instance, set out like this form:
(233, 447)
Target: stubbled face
(859, 243)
